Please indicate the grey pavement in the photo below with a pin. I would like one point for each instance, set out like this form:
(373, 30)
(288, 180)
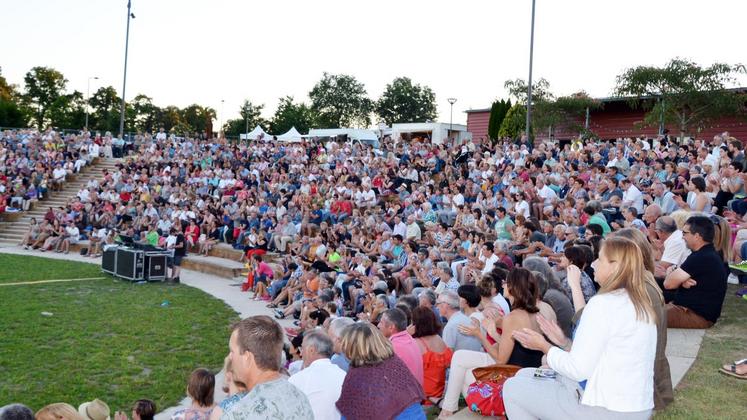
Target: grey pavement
(682, 345)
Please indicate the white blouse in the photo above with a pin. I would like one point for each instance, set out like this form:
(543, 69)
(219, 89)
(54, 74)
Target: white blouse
(614, 352)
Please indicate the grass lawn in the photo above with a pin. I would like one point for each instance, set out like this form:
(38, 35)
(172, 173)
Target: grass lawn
(106, 338)
(705, 393)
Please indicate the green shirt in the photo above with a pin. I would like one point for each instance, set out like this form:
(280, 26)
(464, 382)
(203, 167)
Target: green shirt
(598, 219)
(501, 228)
(152, 238)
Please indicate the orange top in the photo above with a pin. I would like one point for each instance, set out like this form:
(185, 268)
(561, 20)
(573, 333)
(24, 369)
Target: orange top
(312, 286)
(434, 370)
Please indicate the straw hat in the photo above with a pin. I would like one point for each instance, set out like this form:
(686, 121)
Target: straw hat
(94, 410)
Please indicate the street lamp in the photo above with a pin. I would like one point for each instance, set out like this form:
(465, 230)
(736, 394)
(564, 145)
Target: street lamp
(220, 129)
(452, 101)
(529, 86)
(124, 82)
(246, 121)
(88, 96)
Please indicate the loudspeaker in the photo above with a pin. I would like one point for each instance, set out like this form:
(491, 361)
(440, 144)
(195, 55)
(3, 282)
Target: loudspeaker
(130, 264)
(155, 266)
(109, 260)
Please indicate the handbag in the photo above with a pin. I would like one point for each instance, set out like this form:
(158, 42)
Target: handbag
(485, 395)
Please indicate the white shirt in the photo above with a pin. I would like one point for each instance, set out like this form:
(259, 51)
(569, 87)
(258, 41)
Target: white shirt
(522, 208)
(547, 195)
(614, 351)
(59, 173)
(634, 198)
(489, 264)
(501, 302)
(675, 249)
(400, 229)
(321, 381)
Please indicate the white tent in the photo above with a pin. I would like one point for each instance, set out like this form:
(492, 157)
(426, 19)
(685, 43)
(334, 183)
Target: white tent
(257, 134)
(292, 136)
(351, 133)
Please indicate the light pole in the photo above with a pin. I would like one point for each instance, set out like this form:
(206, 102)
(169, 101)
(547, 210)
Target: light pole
(220, 129)
(529, 85)
(452, 101)
(124, 82)
(246, 121)
(88, 96)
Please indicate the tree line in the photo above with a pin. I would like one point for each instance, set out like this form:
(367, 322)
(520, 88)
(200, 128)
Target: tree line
(337, 100)
(681, 93)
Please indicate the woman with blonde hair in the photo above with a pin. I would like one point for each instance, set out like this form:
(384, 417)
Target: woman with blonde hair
(378, 385)
(234, 388)
(609, 370)
(58, 411)
(722, 239)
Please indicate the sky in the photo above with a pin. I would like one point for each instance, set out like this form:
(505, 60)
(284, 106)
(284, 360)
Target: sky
(219, 52)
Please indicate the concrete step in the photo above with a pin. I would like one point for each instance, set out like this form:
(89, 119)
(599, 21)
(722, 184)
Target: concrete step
(12, 236)
(213, 265)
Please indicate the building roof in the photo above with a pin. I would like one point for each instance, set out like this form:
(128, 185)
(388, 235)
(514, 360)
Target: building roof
(477, 110)
(615, 99)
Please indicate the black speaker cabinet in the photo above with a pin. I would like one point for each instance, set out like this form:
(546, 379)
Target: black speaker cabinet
(109, 260)
(130, 264)
(155, 266)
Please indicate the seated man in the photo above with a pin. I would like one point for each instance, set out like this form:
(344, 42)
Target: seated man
(700, 281)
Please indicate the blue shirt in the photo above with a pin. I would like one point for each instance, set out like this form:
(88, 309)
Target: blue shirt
(341, 361)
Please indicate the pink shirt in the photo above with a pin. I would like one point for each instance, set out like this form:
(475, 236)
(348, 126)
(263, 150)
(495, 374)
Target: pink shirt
(264, 268)
(407, 349)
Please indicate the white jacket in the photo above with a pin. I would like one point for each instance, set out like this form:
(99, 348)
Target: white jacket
(614, 352)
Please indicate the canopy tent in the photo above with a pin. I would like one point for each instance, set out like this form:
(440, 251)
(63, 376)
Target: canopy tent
(257, 134)
(351, 133)
(292, 136)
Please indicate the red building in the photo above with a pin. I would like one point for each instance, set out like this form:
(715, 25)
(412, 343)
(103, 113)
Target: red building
(614, 120)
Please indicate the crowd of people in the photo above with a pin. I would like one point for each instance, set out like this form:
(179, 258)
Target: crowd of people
(408, 267)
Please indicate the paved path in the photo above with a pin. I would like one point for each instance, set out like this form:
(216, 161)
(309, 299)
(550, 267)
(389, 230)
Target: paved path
(682, 345)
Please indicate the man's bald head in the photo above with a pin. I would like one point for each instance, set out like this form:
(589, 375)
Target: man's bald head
(652, 213)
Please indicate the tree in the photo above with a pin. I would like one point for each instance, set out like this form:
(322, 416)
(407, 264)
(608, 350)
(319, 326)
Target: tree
(68, 111)
(8, 92)
(403, 102)
(170, 118)
(44, 85)
(549, 111)
(518, 89)
(105, 110)
(145, 113)
(289, 115)
(683, 93)
(11, 113)
(514, 123)
(250, 114)
(339, 100)
(498, 112)
(198, 118)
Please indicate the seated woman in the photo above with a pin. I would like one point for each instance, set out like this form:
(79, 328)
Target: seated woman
(378, 385)
(263, 275)
(522, 292)
(617, 330)
(234, 389)
(436, 354)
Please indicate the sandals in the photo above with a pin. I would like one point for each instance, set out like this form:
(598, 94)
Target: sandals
(271, 306)
(731, 370)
